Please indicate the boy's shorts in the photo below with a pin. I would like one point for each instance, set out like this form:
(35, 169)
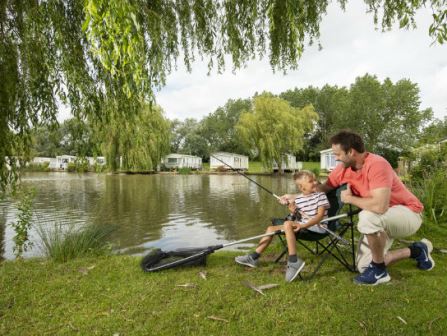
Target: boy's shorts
(398, 222)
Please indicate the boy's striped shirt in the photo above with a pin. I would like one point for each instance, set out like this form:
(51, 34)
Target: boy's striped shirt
(309, 204)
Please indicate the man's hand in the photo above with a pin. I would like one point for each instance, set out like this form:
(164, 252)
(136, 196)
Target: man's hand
(345, 195)
(297, 227)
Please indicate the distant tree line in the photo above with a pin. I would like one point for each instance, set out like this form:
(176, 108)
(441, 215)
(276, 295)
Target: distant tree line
(298, 121)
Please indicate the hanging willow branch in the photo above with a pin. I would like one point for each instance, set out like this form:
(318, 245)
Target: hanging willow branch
(84, 53)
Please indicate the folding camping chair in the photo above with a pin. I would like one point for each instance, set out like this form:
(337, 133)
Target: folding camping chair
(325, 244)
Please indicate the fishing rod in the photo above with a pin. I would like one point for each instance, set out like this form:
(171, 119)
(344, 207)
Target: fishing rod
(344, 241)
(237, 171)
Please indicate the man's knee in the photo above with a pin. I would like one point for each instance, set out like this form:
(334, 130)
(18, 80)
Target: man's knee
(369, 222)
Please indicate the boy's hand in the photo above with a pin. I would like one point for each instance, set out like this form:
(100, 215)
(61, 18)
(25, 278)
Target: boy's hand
(284, 199)
(297, 227)
(292, 207)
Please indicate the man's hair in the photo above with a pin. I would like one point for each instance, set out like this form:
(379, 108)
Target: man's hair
(347, 140)
(302, 173)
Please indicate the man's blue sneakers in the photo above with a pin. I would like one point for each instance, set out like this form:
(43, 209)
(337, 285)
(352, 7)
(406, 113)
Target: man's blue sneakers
(372, 276)
(424, 261)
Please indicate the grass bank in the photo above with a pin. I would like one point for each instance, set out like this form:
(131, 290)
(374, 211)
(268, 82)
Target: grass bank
(110, 295)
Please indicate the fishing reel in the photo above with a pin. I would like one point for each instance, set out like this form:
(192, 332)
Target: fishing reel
(294, 216)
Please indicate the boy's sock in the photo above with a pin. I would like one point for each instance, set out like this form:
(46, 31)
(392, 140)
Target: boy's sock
(293, 258)
(255, 255)
(380, 266)
(415, 251)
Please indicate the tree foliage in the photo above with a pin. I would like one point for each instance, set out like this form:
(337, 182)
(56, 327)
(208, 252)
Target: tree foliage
(136, 142)
(434, 132)
(386, 114)
(218, 128)
(273, 128)
(87, 53)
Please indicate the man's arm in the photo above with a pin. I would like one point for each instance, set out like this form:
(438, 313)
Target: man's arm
(378, 202)
(324, 188)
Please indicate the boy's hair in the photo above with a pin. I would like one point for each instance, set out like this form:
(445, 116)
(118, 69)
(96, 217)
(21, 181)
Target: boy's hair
(302, 173)
(347, 140)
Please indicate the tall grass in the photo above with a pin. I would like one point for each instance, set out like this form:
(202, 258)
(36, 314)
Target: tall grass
(432, 192)
(62, 243)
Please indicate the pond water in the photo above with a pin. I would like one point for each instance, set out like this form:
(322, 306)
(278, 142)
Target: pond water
(165, 211)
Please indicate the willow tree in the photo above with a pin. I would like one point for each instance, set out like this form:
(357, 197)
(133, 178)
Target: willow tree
(85, 52)
(273, 128)
(136, 142)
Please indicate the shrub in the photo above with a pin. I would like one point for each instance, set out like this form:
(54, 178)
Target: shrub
(428, 181)
(184, 171)
(36, 167)
(432, 192)
(221, 169)
(98, 168)
(63, 242)
(71, 167)
(316, 171)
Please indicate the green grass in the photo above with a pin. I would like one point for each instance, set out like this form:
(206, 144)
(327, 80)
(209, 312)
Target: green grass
(257, 167)
(205, 166)
(311, 165)
(110, 294)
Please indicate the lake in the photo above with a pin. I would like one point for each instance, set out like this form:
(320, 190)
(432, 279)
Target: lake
(161, 210)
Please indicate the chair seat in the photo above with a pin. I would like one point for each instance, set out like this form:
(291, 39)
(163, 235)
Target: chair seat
(325, 244)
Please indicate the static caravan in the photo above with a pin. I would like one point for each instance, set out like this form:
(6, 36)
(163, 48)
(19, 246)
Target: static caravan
(236, 161)
(52, 162)
(173, 161)
(327, 160)
(99, 160)
(62, 161)
(289, 163)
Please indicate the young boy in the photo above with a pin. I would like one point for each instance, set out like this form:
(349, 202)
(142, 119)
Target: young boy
(312, 206)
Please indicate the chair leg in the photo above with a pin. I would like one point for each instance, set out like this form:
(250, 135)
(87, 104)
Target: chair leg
(281, 255)
(284, 250)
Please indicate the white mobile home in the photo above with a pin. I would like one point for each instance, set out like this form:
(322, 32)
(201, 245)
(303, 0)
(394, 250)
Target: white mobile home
(236, 161)
(327, 160)
(173, 160)
(99, 160)
(289, 163)
(62, 161)
(38, 160)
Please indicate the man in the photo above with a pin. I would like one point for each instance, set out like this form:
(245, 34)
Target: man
(390, 210)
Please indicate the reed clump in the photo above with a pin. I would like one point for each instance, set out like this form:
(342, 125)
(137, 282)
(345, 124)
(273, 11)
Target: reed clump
(65, 242)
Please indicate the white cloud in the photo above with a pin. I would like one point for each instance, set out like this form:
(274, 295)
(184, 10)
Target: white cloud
(352, 46)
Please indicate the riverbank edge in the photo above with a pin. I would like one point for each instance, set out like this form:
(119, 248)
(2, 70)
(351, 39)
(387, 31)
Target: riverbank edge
(111, 295)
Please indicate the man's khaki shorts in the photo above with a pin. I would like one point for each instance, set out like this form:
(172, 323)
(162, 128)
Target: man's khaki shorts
(398, 222)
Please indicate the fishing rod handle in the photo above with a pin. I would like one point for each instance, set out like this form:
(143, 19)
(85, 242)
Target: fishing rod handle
(254, 237)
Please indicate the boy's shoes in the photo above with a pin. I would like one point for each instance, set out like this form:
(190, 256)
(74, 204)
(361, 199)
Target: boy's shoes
(293, 269)
(372, 276)
(246, 260)
(424, 261)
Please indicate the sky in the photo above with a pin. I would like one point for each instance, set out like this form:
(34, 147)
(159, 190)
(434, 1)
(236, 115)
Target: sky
(352, 47)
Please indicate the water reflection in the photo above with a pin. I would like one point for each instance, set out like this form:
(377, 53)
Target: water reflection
(166, 211)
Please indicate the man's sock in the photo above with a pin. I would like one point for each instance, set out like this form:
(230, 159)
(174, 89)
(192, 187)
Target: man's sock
(415, 251)
(380, 266)
(293, 258)
(255, 255)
